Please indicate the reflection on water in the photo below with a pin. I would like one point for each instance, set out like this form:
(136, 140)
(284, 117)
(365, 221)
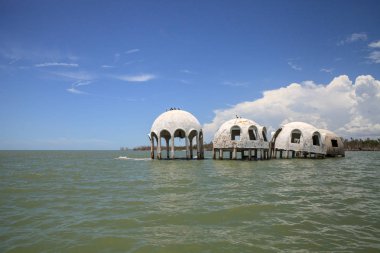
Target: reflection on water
(122, 202)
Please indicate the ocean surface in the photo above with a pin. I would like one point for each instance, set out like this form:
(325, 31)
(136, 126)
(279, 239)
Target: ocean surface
(118, 201)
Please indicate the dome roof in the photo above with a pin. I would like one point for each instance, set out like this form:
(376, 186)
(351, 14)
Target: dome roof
(175, 119)
(297, 136)
(250, 134)
(241, 122)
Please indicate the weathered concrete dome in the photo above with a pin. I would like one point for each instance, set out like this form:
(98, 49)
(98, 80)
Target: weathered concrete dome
(172, 124)
(173, 120)
(333, 144)
(240, 133)
(298, 136)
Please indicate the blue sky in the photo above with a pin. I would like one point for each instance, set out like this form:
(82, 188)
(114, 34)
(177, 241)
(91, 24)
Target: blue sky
(95, 74)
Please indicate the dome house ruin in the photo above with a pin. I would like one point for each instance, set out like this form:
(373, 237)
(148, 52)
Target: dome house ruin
(242, 136)
(176, 123)
(297, 139)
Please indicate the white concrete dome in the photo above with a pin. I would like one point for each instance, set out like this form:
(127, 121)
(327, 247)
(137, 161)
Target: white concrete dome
(240, 133)
(173, 124)
(298, 136)
(174, 120)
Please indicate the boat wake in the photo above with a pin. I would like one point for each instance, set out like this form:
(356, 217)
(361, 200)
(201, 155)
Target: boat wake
(131, 158)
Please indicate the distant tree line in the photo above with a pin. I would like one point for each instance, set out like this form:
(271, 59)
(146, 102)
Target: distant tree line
(364, 145)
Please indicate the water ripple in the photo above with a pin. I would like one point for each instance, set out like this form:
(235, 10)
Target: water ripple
(91, 202)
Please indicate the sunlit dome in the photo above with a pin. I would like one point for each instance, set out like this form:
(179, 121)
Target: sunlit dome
(172, 124)
(175, 119)
(240, 132)
(298, 136)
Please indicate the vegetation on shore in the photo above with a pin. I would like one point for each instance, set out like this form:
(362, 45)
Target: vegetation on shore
(362, 145)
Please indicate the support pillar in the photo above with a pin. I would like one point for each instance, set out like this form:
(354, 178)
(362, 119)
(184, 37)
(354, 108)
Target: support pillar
(234, 154)
(187, 147)
(172, 147)
(191, 149)
(249, 154)
(167, 148)
(159, 148)
(152, 147)
(221, 154)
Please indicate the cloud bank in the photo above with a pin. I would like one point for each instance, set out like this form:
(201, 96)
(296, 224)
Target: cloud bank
(347, 108)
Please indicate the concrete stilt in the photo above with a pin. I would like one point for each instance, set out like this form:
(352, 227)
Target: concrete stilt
(167, 148)
(234, 154)
(172, 148)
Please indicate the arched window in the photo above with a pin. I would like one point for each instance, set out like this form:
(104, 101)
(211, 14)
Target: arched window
(252, 132)
(316, 139)
(235, 133)
(296, 136)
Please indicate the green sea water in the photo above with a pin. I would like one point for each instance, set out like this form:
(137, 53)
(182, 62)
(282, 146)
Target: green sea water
(90, 201)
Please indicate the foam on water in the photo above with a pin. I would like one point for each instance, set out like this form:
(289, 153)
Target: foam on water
(131, 158)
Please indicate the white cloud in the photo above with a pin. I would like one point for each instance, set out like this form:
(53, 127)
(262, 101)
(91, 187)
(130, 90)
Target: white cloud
(75, 91)
(374, 56)
(56, 64)
(136, 78)
(347, 108)
(131, 51)
(74, 87)
(353, 38)
(107, 66)
(294, 66)
(327, 70)
(375, 44)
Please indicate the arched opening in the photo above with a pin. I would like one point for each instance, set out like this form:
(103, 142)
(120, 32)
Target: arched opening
(179, 143)
(296, 136)
(316, 139)
(193, 144)
(153, 137)
(264, 133)
(252, 132)
(166, 135)
(276, 134)
(235, 133)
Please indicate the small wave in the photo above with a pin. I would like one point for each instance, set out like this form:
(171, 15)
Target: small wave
(130, 158)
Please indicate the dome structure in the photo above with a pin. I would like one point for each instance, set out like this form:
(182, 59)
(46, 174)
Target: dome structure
(333, 144)
(241, 135)
(300, 138)
(176, 123)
